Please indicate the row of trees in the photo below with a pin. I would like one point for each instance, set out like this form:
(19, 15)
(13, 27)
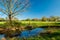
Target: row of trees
(52, 18)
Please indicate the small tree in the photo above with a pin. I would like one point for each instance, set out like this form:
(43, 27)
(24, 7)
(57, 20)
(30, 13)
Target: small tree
(35, 19)
(44, 19)
(12, 8)
(54, 18)
(28, 19)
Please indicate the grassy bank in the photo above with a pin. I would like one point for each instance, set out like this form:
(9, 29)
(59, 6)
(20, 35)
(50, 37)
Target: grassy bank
(36, 23)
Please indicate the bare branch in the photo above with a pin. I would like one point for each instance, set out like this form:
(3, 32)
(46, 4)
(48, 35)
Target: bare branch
(4, 3)
(18, 5)
(24, 6)
(4, 11)
(15, 1)
(17, 13)
(22, 9)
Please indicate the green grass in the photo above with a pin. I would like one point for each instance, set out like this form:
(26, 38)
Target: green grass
(37, 23)
(40, 23)
(2, 22)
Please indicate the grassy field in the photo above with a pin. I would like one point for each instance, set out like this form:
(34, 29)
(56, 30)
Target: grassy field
(2, 22)
(40, 23)
(37, 23)
(34, 22)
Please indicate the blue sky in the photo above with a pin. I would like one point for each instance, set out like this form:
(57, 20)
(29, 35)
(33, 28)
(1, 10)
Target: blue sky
(40, 8)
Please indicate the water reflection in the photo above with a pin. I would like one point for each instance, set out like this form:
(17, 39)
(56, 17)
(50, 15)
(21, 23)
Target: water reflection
(34, 32)
(28, 33)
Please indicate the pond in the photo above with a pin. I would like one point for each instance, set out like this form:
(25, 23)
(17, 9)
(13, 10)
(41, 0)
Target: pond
(28, 33)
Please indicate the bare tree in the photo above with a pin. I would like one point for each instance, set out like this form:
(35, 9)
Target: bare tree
(13, 8)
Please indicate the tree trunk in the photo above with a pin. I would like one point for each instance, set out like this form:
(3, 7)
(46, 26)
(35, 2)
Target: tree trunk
(10, 20)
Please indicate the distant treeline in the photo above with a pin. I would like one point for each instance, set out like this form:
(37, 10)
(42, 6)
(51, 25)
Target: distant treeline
(52, 18)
